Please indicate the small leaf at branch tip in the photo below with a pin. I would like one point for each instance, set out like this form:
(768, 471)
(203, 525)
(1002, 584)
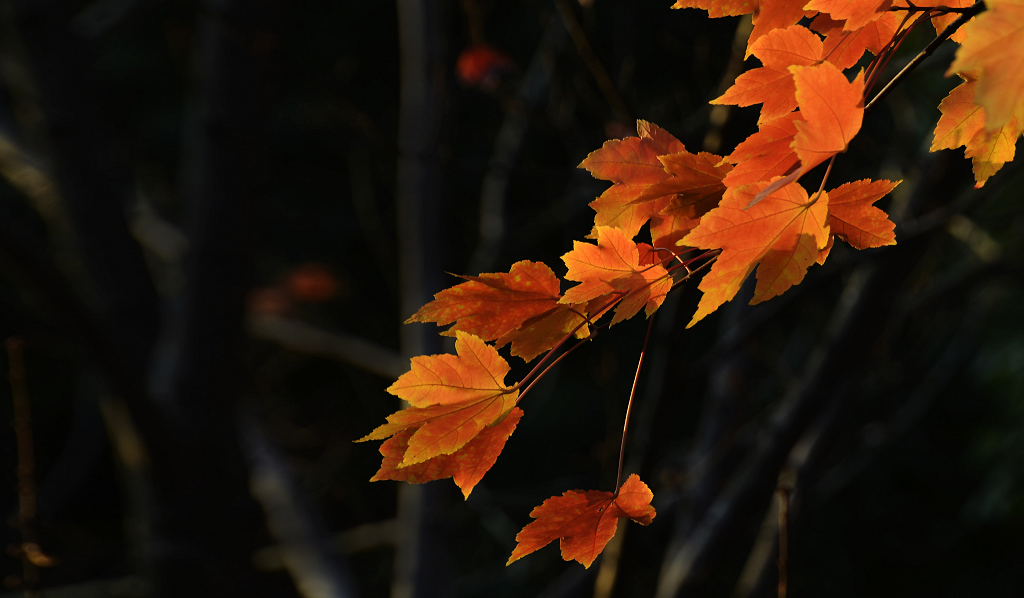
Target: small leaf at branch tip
(584, 521)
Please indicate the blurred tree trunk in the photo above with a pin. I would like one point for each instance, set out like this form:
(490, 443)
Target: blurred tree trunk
(417, 199)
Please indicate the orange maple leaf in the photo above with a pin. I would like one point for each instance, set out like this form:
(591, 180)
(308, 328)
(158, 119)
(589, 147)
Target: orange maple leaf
(466, 466)
(780, 235)
(543, 332)
(765, 154)
(941, 21)
(612, 268)
(993, 50)
(494, 304)
(963, 123)
(694, 188)
(832, 109)
(632, 164)
(854, 219)
(774, 15)
(772, 84)
(720, 8)
(844, 48)
(453, 398)
(855, 13)
(584, 521)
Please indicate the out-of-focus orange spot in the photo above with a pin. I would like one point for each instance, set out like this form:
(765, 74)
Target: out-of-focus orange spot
(312, 283)
(269, 301)
(483, 66)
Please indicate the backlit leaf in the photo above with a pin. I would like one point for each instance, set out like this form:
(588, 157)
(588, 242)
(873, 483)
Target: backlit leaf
(993, 49)
(492, 305)
(854, 13)
(584, 521)
(466, 466)
(632, 164)
(854, 219)
(612, 269)
(963, 123)
(832, 109)
(453, 398)
(780, 235)
(772, 84)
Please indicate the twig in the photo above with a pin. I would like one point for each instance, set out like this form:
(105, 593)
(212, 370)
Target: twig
(783, 492)
(419, 225)
(31, 555)
(507, 146)
(597, 70)
(968, 13)
(629, 406)
(686, 557)
(300, 336)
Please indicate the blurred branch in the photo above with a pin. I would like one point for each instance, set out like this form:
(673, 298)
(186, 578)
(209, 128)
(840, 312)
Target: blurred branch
(303, 549)
(368, 536)
(620, 111)
(688, 558)
(300, 336)
(507, 146)
(417, 208)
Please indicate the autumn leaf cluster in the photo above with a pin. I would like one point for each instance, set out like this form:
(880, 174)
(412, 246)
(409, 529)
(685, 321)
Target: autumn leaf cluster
(671, 215)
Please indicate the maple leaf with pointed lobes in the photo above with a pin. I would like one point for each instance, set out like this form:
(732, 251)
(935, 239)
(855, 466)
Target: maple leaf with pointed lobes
(584, 522)
(543, 332)
(610, 268)
(963, 124)
(780, 235)
(465, 466)
(494, 304)
(993, 50)
(845, 48)
(765, 154)
(854, 219)
(772, 84)
(832, 109)
(694, 188)
(453, 398)
(720, 8)
(941, 21)
(772, 15)
(632, 164)
(855, 13)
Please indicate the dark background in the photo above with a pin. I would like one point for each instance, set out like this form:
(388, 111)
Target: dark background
(214, 217)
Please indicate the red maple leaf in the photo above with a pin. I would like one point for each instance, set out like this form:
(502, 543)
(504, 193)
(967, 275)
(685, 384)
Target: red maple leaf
(584, 521)
(492, 305)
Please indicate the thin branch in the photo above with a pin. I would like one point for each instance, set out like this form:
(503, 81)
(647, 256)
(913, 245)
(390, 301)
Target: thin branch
(597, 70)
(968, 13)
(300, 336)
(629, 406)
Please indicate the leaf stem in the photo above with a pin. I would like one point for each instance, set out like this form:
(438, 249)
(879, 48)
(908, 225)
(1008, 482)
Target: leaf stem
(629, 406)
(968, 13)
(543, 362)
